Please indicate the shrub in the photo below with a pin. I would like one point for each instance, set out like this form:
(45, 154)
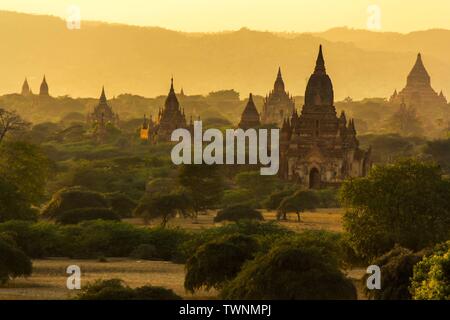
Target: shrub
(37, 240)
(238, 212)
(396, 270)
(13, 261)
(145, 252)
(431, 277)
(92, 239)
(83, 214)
(218, 261)
(115, 289)
(73, 198)
(287, 273)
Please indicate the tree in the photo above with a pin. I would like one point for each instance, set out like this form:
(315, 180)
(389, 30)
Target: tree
(10, 122)
(238, 212)
(287, 273)
(13, 205)
(396, 269)
(431, 279)
(163, 206)
(204, 183)
(404, 203)
(73, 198)
(218, 261)
(25, 166)
(13, 261)
(299, 202)
(275, 198)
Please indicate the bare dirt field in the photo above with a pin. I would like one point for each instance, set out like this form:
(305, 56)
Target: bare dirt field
(48, 280)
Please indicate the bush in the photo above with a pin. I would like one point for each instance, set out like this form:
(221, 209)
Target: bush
(13, 261)
(238, 212)
(144, 252)
(265, 232)
(78, 215)
(288, 273)
(92, 239)
(431, 278)
(238, 196)
(396, 270)
(73, 198)
(405, 203)
(115, 289)
(37, 240)
(122, 204)
(218, 261)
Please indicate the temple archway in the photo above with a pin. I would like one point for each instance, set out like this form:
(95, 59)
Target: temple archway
(314, 179)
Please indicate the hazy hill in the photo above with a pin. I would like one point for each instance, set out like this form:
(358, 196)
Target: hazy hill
(129, 59)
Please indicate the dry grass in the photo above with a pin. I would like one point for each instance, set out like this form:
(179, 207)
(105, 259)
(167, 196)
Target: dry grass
(49, 278)
(321, 219)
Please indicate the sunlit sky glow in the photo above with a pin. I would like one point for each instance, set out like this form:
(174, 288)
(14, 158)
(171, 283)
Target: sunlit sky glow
(273, 15)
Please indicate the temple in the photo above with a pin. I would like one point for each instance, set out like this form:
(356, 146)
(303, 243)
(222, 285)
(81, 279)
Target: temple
(103, 114)
(250, 116)
(418, 91)
(278, 104)
(318, 149)
(171, 117)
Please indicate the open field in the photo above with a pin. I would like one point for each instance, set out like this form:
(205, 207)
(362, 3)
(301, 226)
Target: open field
(321, 219)
(48, 280)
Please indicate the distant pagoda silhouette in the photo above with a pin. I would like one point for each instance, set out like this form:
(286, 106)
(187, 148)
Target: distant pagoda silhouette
(418, 90)
(43, 90)
(250, 115)
(171, 117)
(278, 104)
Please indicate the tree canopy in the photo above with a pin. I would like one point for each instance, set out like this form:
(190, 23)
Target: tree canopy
(405, 203)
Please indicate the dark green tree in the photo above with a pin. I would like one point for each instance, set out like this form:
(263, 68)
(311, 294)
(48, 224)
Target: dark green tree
(25, 166)
(164, 206)
(299, 202)
(218, 261)
(204, 183)
(238, 212)
(290, 273)
(13, 261)
(405, 203)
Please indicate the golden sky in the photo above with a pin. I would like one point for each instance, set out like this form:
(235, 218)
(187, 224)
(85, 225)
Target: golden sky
(273, 15)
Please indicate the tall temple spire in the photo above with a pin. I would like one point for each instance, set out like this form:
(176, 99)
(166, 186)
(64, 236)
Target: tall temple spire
(279, 83)
(103, 95)
(320, 63)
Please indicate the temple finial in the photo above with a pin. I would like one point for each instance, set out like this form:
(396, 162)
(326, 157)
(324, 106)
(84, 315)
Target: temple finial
(320, 62)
